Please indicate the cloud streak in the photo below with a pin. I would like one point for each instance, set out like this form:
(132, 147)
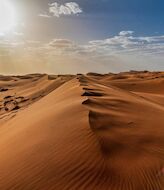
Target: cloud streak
(123, 43)
(124, 51)
(127, 43)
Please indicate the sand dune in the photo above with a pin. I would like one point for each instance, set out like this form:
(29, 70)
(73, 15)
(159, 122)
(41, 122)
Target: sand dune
(93, 132)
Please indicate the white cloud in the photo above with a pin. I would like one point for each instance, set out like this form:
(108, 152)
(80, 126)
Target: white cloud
(61, 43)
(120, 52)
(116, 45)
(45, 15)
(65, 9)
(126, 43)
(125, 33)
(56, 9)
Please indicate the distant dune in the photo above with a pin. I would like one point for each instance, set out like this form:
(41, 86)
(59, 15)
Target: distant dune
(77, 132)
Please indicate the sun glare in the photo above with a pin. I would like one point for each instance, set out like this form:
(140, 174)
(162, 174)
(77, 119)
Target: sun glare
(7, 16)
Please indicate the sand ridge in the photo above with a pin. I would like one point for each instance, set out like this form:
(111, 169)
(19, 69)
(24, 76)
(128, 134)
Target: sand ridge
(88, 132)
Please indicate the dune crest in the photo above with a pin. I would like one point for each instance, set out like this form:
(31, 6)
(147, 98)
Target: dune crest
(89, 132)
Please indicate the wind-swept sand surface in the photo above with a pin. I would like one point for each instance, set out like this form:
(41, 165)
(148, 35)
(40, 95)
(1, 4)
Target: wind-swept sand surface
(93, 132)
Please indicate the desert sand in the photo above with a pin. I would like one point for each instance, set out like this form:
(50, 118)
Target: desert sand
(74, 132)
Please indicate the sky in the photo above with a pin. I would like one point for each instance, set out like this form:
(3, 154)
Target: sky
(80, 36)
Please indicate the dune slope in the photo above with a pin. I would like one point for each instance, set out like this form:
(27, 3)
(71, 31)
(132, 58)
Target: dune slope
(82, 132)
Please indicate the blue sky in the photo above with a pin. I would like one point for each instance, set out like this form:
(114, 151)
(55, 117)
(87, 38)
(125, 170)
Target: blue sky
(104, 18)
(145, 17)
(63, 36)
(99, 19)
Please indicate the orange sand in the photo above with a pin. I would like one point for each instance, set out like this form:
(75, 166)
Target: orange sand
(93, 132)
